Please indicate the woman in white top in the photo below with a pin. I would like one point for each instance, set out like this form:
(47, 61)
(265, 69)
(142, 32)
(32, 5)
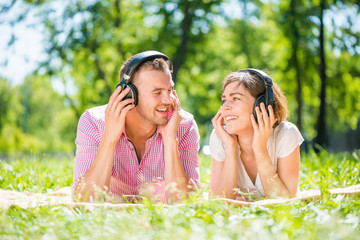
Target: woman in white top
(257, 154)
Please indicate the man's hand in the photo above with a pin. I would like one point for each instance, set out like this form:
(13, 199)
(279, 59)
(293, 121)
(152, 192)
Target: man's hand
(115, 113)
(170, 129)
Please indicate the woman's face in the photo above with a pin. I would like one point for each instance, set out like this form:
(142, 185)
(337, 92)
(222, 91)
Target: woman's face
(237, 108)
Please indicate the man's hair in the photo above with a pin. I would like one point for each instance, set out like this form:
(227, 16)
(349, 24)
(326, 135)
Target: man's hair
(158, 64)
(256, 86)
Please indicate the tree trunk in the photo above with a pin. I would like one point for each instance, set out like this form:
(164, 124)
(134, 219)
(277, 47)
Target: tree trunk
(26, 105)
(321, 138)
(295, 62)
(180, 55)
(244, 33)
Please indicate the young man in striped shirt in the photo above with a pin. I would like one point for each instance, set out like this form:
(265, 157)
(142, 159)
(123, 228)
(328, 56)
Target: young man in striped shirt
(139, 144)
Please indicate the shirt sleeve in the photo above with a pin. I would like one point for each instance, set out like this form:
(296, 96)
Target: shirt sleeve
(288, 139)
(189, 149)
(217, 150)
(87, 143)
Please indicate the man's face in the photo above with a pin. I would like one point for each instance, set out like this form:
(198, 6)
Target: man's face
(155, 90)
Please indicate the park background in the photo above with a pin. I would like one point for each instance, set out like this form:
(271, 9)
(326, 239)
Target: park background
(59, 58)
(309, 47)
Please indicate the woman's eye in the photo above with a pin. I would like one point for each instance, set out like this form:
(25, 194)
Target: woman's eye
(157, 93)
(236, 98)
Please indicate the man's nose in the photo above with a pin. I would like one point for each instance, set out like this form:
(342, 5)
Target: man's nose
(166, 98)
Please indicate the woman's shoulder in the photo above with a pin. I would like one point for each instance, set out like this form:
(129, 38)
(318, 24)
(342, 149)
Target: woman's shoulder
(286, 128)
(286, 137)
(214, 138)
(217, 150)
(286, 125)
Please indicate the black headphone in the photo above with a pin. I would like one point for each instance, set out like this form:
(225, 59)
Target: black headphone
(268, 97)
(134, 63)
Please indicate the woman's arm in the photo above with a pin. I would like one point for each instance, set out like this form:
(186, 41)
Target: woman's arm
(284, 182)
(224, 176)
(275, 184)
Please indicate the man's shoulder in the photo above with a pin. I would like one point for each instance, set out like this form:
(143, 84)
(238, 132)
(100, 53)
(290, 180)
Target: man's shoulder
(188, 132)
(96, 113)
(187, 118)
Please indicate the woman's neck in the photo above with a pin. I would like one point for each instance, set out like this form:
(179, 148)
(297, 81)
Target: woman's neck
(245, 140)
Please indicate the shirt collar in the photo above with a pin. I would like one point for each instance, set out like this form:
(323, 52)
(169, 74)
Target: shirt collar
(153, 137)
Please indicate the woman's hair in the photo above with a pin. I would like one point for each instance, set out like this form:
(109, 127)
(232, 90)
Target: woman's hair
(158, 64)
(256, 86)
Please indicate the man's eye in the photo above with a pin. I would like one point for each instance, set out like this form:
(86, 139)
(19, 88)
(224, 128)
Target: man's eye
(235, 98)
(157, 93)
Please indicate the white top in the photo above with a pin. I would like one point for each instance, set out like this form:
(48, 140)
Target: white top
(282, 141)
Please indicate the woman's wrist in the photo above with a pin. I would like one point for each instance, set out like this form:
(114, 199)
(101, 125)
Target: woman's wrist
(230, 147)
(260, 153)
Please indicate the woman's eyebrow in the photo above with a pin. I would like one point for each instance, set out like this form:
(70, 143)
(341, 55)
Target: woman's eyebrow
(236, 93)
(232, 94)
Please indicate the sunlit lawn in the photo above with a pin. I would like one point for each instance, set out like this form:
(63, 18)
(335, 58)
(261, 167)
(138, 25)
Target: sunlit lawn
(335, 217)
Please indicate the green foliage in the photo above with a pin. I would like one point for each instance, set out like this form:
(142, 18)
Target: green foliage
(35, 174)
(335, 218)
(87, 42)
(37, 119)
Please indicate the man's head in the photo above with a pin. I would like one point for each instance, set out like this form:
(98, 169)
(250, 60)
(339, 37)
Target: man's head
(151, 78)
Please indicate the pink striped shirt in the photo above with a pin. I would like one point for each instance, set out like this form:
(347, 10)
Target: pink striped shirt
(128, 175)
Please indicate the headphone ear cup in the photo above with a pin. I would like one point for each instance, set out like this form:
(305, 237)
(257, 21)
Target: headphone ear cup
(269, 97)
(133, 94)
(260, 99)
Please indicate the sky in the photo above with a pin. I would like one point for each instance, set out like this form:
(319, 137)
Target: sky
(23, 56)
(27, 51)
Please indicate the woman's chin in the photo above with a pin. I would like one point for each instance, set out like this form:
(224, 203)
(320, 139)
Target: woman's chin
(230, 130)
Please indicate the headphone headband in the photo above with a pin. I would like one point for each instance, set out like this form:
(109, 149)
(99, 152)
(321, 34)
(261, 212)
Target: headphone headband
(263, 75)
(139, 59)
(268, 96)
(133, 64)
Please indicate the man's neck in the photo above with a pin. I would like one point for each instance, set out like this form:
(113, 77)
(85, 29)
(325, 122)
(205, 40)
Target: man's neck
(137, 130)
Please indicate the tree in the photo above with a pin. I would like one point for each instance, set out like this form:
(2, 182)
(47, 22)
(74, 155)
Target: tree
(5, 99)
(321, 137)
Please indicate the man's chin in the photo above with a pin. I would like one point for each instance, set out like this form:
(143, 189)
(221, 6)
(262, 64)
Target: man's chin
(162, 122)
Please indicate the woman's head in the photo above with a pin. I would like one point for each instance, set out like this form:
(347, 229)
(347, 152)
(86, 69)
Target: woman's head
(255, 85)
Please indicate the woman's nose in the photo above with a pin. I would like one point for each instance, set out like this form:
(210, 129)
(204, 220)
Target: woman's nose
(226, 106)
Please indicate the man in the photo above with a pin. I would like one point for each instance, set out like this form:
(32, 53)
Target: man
(125, 148)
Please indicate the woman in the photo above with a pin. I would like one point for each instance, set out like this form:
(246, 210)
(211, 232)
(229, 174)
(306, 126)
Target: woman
(257, 154)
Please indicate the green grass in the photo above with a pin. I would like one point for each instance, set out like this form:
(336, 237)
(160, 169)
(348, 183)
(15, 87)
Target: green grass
(335, 217)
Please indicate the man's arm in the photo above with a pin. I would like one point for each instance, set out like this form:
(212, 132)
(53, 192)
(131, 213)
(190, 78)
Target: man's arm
(176, 179)
(98, 175)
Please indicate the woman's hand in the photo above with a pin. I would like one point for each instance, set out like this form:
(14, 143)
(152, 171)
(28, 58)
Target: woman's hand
(263, 128)
(218, 123)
